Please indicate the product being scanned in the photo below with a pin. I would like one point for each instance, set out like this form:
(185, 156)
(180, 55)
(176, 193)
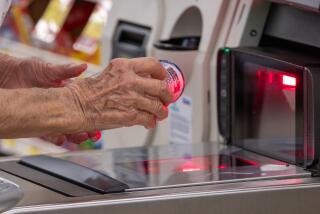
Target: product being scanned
(175, 80)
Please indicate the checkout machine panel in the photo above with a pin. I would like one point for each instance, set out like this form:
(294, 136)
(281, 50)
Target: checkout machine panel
(268, 95)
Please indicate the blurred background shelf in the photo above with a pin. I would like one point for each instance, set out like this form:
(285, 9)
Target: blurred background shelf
(32, 146)
(19, 49)
(58, 32)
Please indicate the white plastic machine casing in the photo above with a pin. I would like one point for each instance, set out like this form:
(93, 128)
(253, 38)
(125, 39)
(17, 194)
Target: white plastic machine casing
(189, 118)
(148, 13)
(242, 26)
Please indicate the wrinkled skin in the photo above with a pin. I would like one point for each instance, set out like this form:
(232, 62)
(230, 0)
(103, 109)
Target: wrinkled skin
(128, 92)
(33, 72)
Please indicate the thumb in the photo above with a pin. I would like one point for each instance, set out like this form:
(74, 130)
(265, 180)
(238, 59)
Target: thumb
(64, 72)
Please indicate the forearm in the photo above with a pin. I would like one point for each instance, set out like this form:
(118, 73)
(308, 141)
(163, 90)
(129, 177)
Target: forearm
(36, 112)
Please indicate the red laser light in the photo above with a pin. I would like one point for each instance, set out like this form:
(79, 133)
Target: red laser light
(191, 169)
(191, 166)
(222, 167)
(289, 81)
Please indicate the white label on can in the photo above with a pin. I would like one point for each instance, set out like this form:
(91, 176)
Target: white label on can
(180, 120)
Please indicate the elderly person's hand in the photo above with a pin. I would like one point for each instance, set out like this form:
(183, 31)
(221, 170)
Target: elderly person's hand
(128, 92)
(33, 72)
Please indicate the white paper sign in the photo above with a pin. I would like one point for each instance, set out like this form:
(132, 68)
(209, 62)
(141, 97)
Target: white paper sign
(180, 120)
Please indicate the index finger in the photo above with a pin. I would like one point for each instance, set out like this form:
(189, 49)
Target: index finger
(146, 66)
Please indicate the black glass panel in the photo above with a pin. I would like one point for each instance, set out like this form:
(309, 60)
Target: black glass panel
(268, 108)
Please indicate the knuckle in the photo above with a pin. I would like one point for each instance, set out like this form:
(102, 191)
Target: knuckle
(119, 65)
(128, 82)
(134, 98)
(126, 101)
(117, 62)
(132, 115)
(124, 80)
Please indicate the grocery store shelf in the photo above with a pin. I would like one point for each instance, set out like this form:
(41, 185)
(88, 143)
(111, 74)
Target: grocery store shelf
(21, 50)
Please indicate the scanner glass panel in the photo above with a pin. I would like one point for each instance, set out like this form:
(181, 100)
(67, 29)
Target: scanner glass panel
(268, 108)
(181, 165)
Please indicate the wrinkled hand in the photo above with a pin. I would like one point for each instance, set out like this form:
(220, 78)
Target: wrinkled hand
(33, 72)
(128, 92)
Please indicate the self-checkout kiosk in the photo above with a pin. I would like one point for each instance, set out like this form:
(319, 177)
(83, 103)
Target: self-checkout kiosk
(268, 162)
(267, 92)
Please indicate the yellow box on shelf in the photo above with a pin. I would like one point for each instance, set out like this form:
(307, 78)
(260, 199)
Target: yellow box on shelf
(88, 46)
(52, 21)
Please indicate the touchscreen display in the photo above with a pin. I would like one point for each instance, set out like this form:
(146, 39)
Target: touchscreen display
(267, 103)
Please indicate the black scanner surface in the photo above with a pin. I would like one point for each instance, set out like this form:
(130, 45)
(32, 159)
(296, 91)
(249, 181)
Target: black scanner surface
(74, 173)
(43, 179)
